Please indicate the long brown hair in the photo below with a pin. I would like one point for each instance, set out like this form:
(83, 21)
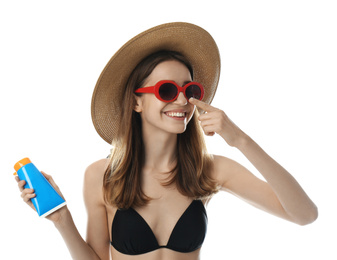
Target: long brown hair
(122, 179)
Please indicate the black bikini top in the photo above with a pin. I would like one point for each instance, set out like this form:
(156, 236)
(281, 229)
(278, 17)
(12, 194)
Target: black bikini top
(131, 234)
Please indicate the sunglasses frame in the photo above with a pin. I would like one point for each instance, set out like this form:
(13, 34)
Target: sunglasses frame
(155, 89)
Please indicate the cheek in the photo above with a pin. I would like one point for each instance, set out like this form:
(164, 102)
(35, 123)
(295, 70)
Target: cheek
(192, 113)
(152, 106)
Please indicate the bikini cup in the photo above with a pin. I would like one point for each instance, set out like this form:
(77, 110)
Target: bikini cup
(132, 235)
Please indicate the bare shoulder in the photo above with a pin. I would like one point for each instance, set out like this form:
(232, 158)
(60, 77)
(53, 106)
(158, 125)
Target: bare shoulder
(93, 180)
(225, 169)
(96, 170)
(220, 160)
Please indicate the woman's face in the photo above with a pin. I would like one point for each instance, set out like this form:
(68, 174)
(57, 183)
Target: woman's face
(157, 115)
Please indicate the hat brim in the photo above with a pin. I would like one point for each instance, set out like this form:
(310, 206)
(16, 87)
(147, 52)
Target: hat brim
(193, 42)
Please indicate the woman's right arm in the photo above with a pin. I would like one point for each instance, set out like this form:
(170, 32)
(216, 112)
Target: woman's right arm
(97, 226)
(97, 245)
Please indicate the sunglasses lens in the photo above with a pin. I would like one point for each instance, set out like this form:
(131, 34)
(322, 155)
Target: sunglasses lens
(193, 91)
(168, 91)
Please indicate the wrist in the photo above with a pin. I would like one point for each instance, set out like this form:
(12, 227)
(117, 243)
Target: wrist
(62, 218)
(243, 141)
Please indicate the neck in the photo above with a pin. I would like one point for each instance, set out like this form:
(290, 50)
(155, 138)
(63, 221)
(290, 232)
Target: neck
(160, 150)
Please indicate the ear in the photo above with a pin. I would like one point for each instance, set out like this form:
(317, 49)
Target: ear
(138, 107)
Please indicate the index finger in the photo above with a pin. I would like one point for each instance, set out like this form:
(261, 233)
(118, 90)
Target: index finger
(200, 104)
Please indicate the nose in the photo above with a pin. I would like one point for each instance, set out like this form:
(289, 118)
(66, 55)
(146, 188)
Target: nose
(181, 100)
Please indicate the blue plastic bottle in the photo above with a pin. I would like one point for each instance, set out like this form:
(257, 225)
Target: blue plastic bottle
(47, 200)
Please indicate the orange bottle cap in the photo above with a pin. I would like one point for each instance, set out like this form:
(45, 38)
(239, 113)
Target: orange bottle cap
(21, 163)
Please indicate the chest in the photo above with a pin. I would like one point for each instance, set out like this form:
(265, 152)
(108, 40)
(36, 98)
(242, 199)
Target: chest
(161, 214)
(132, 234)
(170, 220)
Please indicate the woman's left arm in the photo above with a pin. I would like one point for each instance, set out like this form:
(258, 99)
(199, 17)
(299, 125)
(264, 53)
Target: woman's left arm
(281, 195)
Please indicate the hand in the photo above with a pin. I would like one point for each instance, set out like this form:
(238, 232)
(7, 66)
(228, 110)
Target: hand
(215, 120)
(28, 194)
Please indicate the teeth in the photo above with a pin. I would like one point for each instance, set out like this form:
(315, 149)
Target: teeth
(176, 114)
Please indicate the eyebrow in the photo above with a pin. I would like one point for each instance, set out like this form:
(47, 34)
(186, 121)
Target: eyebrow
(185, 82)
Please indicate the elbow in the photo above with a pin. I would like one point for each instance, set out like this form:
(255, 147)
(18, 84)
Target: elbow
(309, 218)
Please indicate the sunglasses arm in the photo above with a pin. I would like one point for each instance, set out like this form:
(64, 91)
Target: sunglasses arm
(145, 90)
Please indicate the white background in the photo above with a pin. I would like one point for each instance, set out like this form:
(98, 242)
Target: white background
(279, 64)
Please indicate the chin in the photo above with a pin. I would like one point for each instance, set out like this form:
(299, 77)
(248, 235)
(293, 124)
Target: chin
(178, 130)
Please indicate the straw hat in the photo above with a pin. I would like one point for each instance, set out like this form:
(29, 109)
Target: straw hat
(193, 42)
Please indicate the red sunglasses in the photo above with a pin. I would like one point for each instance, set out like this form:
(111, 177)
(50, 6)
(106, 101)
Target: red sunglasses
(168, 91)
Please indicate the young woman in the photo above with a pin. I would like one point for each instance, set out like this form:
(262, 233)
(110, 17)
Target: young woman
(146, 201)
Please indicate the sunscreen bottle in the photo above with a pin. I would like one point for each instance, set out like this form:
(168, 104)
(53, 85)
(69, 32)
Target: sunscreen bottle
(47, 200)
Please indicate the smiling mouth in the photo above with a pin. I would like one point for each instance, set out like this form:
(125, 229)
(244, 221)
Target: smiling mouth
(176, 114)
